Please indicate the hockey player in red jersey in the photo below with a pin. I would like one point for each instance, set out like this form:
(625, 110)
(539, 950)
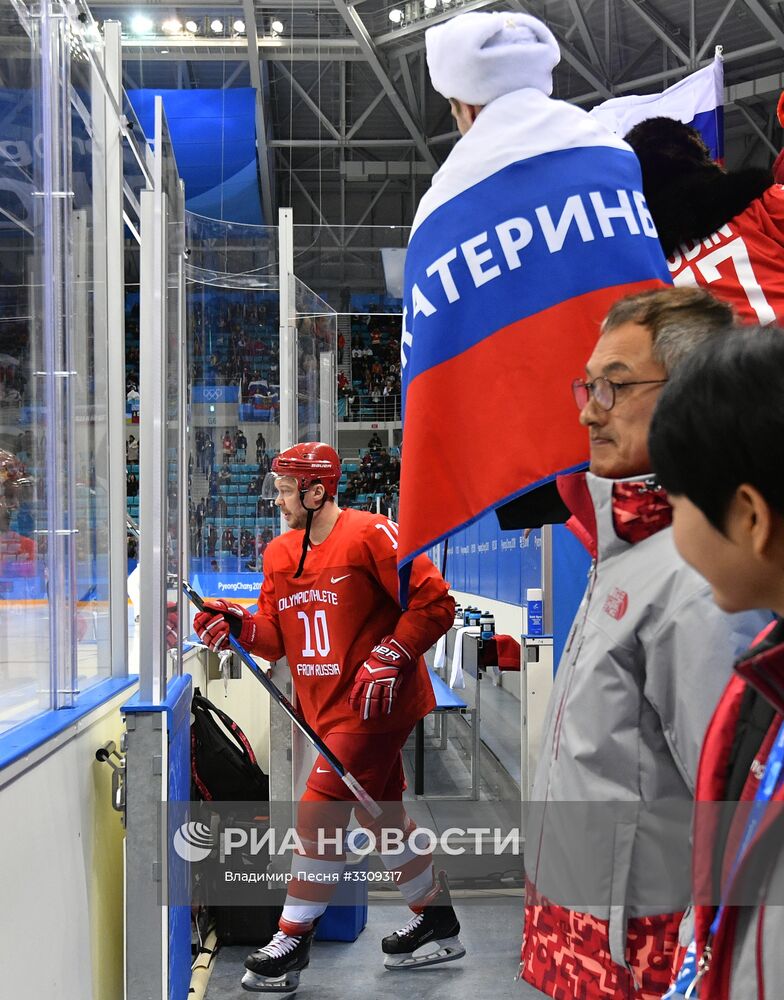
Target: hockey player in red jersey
(723, 230)
(329, 604)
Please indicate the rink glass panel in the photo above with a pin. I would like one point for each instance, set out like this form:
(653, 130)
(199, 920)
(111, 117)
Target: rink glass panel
(176, 562)
(53, 459)
(90, 388)
(24, 620)
(316, 325)
(232, 320)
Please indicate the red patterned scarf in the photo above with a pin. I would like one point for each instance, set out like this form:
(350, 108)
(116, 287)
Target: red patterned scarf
(639, 509)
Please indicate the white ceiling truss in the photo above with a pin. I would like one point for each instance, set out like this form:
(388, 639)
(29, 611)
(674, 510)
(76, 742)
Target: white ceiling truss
(349, 128)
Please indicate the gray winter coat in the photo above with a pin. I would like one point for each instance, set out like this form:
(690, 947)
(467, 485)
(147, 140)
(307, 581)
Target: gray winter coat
(646, 660)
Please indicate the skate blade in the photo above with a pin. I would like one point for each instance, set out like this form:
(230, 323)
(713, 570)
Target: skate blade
(449, 950)
(254, 983)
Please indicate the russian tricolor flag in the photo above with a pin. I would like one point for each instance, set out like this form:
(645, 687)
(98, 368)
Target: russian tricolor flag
(696, 100)
(533, 227)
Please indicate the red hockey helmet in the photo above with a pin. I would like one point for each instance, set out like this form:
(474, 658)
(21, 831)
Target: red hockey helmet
(313, 462)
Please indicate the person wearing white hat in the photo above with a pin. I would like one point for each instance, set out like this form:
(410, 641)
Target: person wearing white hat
(535, 221)
(475, 58)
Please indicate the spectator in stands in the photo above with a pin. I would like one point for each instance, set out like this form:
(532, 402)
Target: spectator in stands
(132, 484)
(212, 540)
(224, 476)
(261, 445)
(246, 543)
(229, 541)
(132, 450)
(388, 409)
(241, 445)
(228, 446)
(375, 442)
(221, 508)
(208, 455)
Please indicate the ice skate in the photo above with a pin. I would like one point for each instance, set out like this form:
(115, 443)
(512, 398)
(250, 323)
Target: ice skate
(275, 968)
(429, 938)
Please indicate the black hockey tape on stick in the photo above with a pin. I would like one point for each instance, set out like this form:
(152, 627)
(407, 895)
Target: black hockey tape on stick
(277, 696)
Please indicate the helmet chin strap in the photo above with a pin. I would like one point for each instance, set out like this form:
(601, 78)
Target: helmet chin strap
(306, 539)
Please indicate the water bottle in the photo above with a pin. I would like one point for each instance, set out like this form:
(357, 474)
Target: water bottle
(533, 598)
(487, 626)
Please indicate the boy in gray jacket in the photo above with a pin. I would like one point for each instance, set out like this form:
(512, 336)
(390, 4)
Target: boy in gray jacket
(717, 443)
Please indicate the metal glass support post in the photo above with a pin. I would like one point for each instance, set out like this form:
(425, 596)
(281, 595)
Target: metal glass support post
(287, 338)
(183, 496)
(53, 198)
(327, 385)
(152, 449)
(109, 310)
(287, 331)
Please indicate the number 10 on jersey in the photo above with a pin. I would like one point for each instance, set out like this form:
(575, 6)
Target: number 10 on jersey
(318, 631)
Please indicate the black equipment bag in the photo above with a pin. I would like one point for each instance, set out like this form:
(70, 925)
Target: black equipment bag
(223, 764)
(254, 925)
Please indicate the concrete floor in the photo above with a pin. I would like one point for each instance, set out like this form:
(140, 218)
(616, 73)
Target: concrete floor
(490, 932)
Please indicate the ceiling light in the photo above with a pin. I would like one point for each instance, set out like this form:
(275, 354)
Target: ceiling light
(431, 4)
(239, 27)
(141, 25)
(191, 26)
(216, 26)
(172, 26)
(277, 27)
(396, 15)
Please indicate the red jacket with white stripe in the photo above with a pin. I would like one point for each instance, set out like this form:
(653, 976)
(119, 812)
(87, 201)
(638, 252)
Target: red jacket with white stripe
(747, 959)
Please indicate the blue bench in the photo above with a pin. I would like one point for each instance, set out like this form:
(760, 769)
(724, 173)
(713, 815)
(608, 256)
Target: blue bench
(447, 700)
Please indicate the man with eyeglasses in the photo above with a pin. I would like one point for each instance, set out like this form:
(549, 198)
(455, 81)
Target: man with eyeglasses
(607, 853)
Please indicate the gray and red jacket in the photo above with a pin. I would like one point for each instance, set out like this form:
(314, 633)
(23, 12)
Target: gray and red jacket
(747, 961)
(607, 835)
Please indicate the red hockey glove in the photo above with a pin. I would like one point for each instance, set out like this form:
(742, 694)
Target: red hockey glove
(373, 694)
(219, 617)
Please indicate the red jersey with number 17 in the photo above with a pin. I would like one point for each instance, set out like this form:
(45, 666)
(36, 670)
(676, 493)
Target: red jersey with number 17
(327, 621)
(743, 262)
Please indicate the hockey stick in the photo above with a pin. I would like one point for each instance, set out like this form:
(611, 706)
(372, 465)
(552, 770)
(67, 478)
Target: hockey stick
(277, 696)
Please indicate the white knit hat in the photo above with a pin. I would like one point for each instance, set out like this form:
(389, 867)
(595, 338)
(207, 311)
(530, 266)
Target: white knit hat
(477, 57)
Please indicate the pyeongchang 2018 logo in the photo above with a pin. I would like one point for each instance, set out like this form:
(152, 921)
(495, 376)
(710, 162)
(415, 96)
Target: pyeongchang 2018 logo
(193, 842)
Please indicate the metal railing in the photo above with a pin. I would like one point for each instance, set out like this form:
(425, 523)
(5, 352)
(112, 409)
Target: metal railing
(375, 406)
